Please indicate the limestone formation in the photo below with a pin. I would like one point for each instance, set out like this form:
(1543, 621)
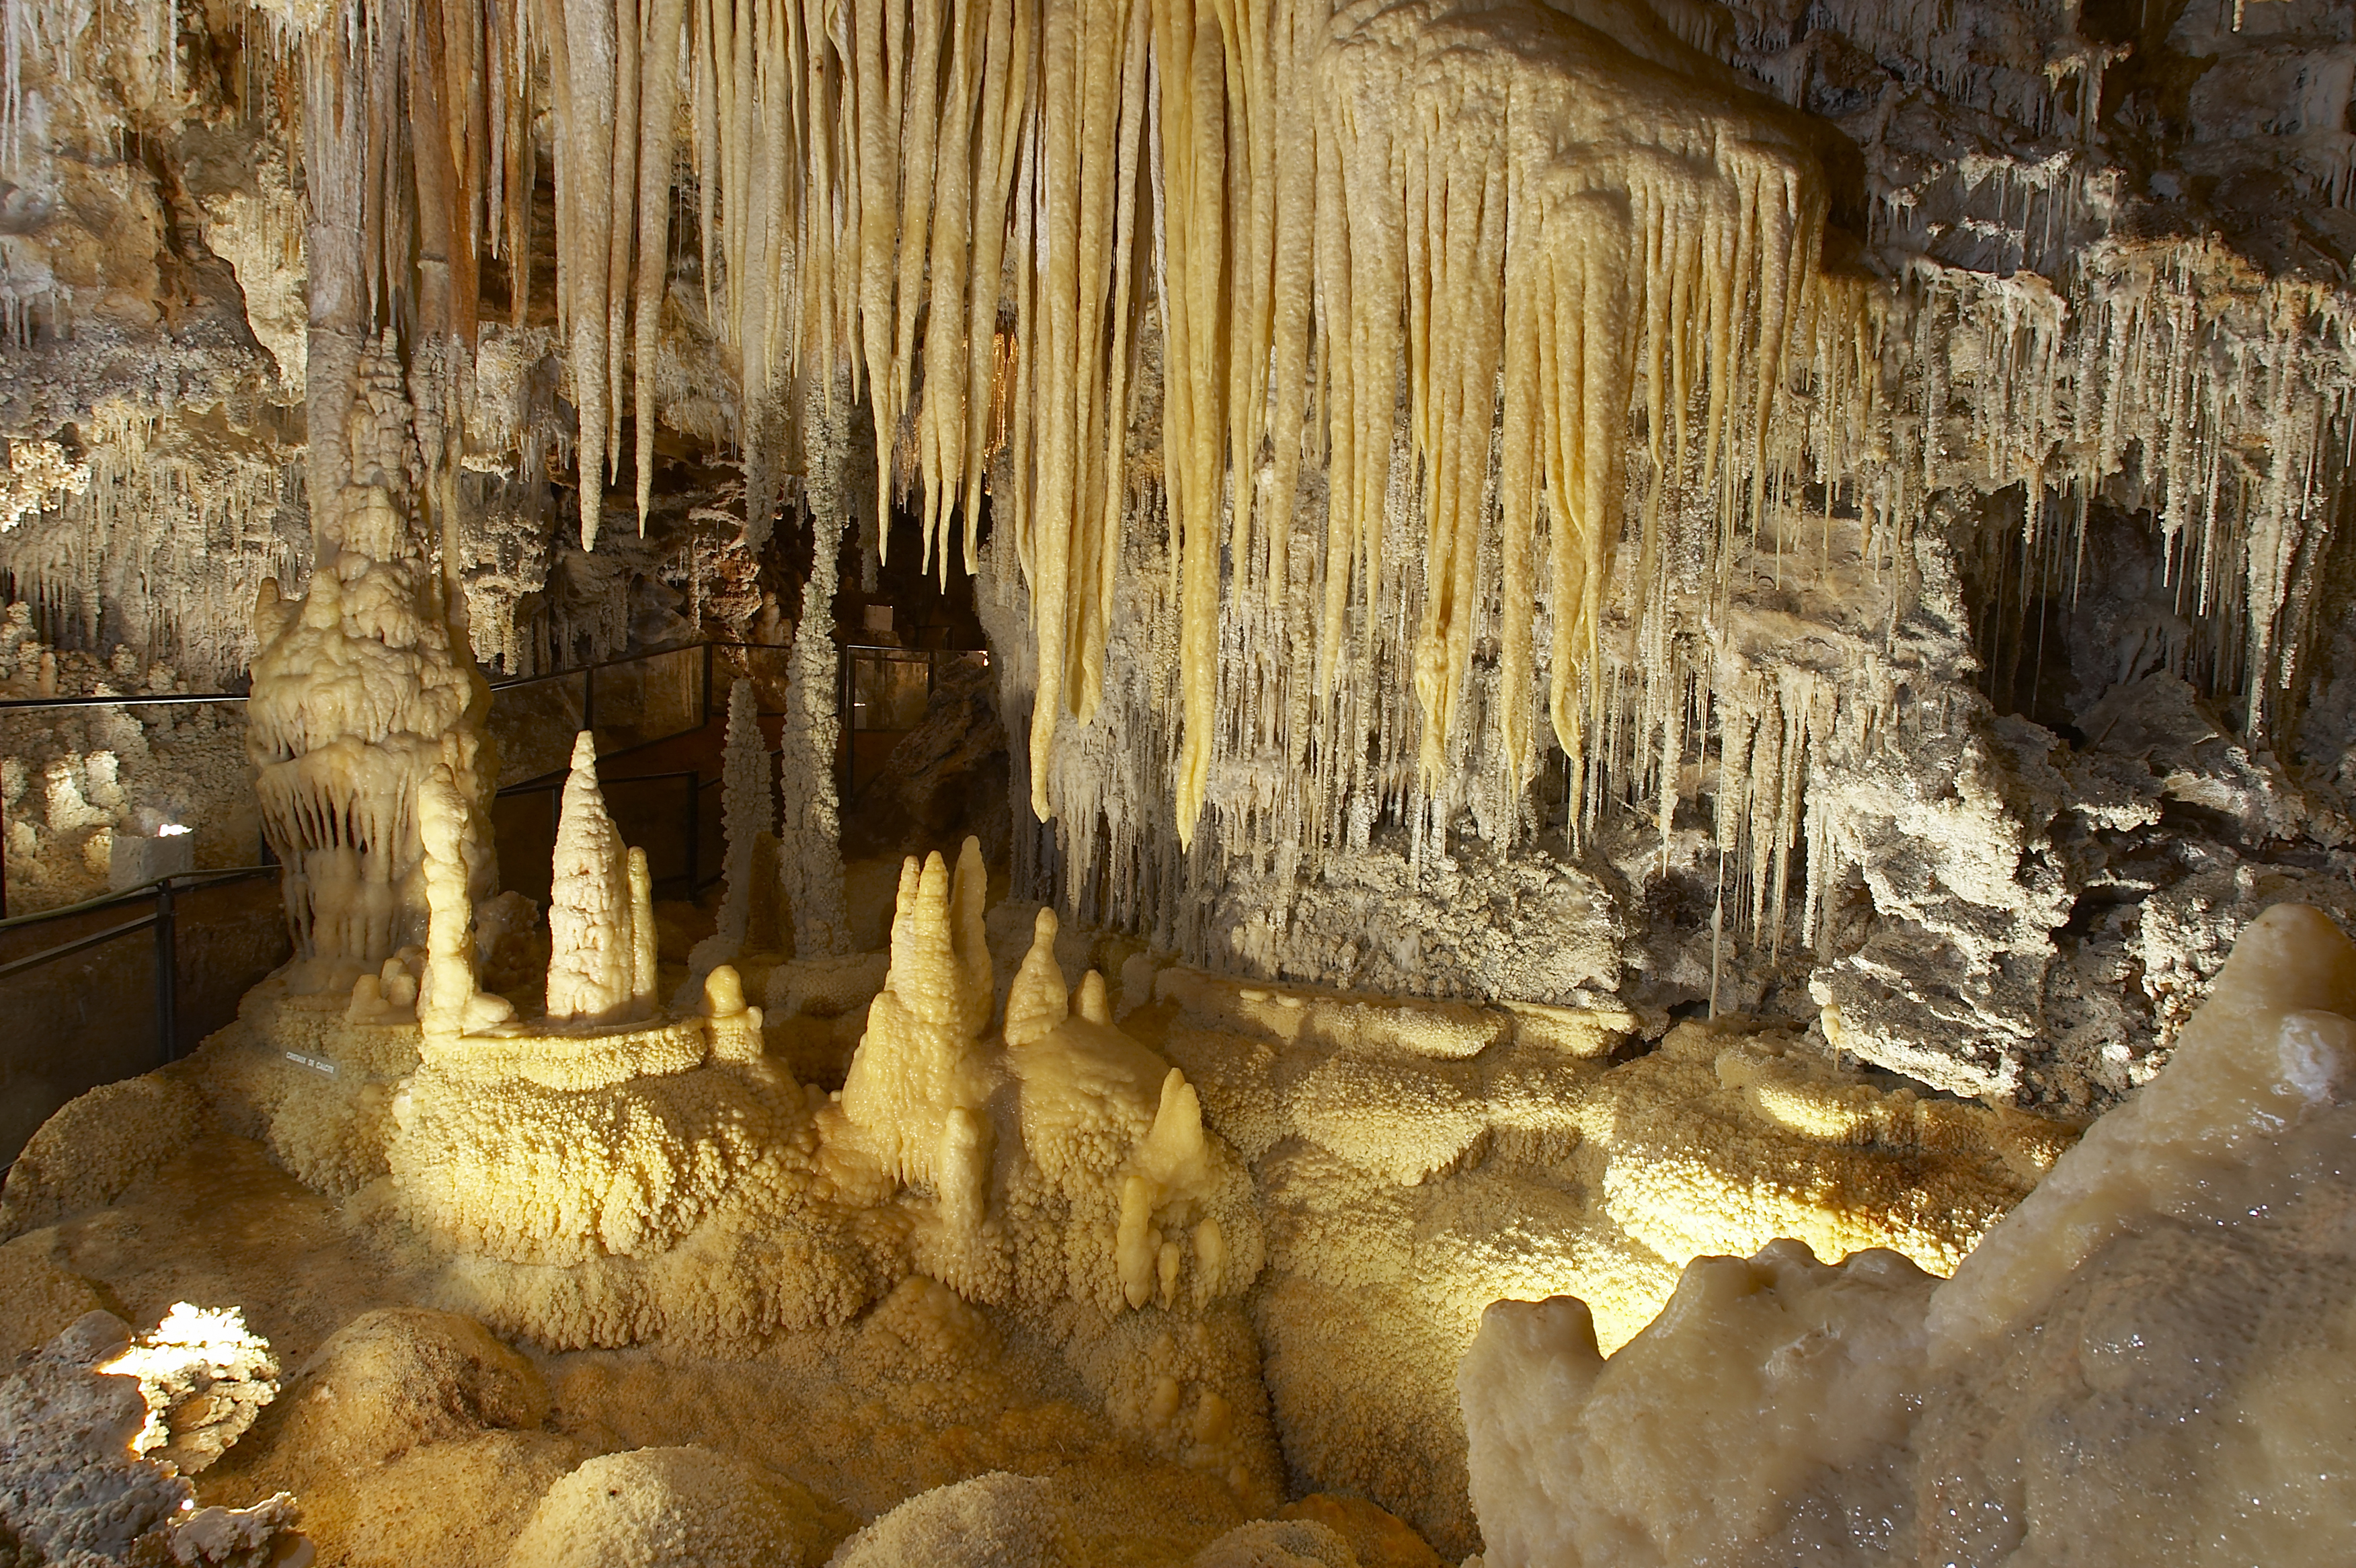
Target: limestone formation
(1641, 657)
(749, 808)
(600, 912)
(1782, 1407)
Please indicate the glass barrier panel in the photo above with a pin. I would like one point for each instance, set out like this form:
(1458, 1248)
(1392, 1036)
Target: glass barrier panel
(652, 815)
(889, 690)
(533, 725)
(648, 699)
(95, 1012)
(523, 831)
(766, 667)
(89, 1017)
(711, 852)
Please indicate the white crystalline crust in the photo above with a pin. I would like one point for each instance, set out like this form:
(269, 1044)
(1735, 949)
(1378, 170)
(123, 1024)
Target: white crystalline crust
(2148, 1355)
(195, 1361)
(75, 1486)
(748, 806)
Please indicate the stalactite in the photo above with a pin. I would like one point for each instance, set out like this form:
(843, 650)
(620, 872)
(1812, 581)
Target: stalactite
(1491, 355)
(656, 156)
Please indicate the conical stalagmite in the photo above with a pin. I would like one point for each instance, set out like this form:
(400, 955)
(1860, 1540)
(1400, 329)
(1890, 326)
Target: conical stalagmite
(600, 964)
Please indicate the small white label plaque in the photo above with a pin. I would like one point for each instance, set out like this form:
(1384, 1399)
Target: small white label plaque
(317, 1064)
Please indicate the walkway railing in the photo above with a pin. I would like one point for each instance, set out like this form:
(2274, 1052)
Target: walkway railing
(688, 707)
(672, 693)
(98, 1022)
(162, 919)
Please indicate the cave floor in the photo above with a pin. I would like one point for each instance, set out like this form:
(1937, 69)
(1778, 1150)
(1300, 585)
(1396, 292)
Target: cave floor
(921, 1391)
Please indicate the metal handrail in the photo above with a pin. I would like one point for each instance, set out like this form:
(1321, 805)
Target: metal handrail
(210, 874)
(149, 699)
(134, 700)
(588, 705)
(66, 950)
(587, 672)
(156, 699)
(162, 918)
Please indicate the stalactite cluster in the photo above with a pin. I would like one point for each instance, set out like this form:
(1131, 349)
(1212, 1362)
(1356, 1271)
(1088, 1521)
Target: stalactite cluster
(1389, 414)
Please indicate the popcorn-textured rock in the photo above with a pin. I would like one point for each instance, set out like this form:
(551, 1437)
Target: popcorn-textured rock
(73, 1488)
(997, 1521)
(404, 1377)
(659, 1506)
(205, 1378)
(96, 1146)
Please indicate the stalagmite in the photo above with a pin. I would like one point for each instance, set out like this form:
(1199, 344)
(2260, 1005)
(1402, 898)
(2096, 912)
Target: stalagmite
(359, 695)
(810, 854)
(449, 1002)
(600, 917)
(748, 805)
(918, 1088)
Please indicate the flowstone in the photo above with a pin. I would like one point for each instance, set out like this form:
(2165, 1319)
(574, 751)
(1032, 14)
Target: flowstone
(2143, 1349)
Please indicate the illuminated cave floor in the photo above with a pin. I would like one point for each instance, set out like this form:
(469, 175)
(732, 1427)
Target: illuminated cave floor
(921, 1391)
(1409, 1162)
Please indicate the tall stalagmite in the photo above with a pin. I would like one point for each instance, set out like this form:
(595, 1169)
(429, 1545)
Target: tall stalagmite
(366, 686)
(809, 844)
(600, 919)
(748, 804)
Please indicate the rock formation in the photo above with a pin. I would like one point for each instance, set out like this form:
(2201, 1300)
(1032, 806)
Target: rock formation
(601, 912)
(2156, 1299)
(1652, 649)
(748, 804)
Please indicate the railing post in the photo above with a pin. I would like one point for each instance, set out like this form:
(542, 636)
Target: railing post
(167, 975)
(707, 684)
(694, 831)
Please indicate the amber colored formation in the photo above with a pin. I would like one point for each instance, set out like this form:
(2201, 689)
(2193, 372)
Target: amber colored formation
(1620, 671)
